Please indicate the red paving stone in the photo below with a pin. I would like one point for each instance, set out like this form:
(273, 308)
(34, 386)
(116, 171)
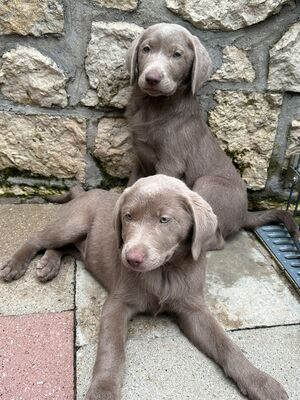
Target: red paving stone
(36, 357)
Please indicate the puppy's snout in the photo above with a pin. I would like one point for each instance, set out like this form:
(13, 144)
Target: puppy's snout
(135, 257)
(153, 77)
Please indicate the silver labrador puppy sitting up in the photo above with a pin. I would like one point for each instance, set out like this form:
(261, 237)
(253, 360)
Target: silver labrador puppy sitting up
(167, 66)
(153, 261)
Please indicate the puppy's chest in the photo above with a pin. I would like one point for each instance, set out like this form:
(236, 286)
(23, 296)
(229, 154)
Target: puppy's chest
(165, 289)
(147, 150)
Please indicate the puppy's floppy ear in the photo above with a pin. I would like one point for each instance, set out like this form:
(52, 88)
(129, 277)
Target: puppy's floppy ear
(206, 234)
(132, 59)
(202, 65)
(117, 218)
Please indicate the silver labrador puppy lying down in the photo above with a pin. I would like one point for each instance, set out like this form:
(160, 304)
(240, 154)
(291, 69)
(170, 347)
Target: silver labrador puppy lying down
(167, 66)
(153, 261)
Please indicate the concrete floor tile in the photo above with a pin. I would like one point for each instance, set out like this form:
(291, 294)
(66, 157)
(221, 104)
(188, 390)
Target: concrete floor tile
(244, 290)
(152, 328)
(171, 368)
(27, 295)
(36, 357)
(90, 297)
(18, 222)
(85, 358)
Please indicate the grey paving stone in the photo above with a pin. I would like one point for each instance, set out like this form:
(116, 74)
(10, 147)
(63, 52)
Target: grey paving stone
(244, 290)
(165, 368)
(27, 295)
(89, 300)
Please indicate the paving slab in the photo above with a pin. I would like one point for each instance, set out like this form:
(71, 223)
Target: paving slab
(28, 295)
(165, 368)
(36, 357)
(90, 297)
(244, 290)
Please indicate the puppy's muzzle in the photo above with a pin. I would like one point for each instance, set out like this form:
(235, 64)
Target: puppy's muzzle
(135, 257)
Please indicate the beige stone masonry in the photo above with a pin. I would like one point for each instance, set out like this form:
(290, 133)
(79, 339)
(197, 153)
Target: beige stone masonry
(124, 5)
(29, 77)
(284, 69)
(105, 61)
(113, 147)
(31, 17)
(43, 144)
(245, 125)
(226, 15)
(236, 66)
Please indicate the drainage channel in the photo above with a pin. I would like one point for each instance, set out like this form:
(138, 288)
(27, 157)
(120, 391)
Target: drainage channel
(278, 241)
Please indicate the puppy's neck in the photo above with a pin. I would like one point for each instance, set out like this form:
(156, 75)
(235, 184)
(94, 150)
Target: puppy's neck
(176, 283)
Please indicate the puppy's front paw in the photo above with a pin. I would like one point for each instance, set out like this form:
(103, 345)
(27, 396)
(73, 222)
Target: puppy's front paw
(264, 387)
(12, 269)
(100, 395)
(101, 391)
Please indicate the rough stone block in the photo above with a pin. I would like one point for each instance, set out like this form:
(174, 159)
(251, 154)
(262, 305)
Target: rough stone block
(245, 125)
(105, 61)
(31, 17)
(293, 143)
(43, 144)
(226, 15)
(29, 77)
(284, 66)
(90, 99)
(236, 66)
(113, 147)
(124, 5)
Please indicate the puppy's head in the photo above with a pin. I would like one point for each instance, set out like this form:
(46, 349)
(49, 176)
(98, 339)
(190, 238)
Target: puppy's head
(159, 216)
(165, 57)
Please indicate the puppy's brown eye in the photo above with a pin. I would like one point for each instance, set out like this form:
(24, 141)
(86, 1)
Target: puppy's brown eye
(164, 220)
(128, 216)
(146, 49)
(177, 54)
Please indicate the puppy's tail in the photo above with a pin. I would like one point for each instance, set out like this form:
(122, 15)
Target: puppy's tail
(259, 218)
(64, 198)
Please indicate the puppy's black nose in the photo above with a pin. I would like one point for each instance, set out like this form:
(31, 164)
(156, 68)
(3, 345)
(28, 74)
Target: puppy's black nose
(134, 257)
(153, 77)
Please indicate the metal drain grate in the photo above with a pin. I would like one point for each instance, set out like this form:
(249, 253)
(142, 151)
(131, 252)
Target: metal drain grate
(279, 242)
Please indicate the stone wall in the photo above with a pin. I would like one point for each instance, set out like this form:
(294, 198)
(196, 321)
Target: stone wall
(64, 86)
